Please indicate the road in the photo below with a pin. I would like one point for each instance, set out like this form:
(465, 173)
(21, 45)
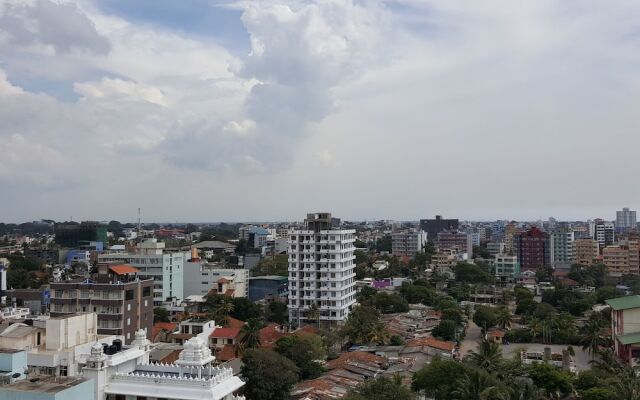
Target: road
(470, 342)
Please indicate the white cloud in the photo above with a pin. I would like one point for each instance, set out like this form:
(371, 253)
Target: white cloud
(117, 89)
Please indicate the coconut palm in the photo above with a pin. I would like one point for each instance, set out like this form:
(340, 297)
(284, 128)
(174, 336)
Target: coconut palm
(535, 327)
(474, 385)
(593, 335)
(223, 309)
(251, 334)
(627, 385)
(488, 356)
(378, 335)
(523, 390)
(504, 319)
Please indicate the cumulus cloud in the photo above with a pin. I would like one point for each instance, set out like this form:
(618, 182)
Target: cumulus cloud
(455, 94)
(61, 26)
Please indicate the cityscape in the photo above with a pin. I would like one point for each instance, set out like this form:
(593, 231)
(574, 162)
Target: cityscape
(319, 200)
(321, 308)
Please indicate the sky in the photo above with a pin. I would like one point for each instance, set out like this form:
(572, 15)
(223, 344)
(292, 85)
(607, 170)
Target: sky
(242, 110)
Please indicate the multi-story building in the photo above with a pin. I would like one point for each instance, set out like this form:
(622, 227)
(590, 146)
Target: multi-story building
(123, 302)
(533, 249)
(434, 226)
(495, 248)
(321, 271)
(271, 287)
(459, 242)
(201, 278)
(625, 220)
(73, 234)
(164, 267)
(623, 259)
(562, 247)
(625, 328)
(511, 231)
(506, 269)
(254, 236)
(585, 251)
(408, 243)
(604, 232)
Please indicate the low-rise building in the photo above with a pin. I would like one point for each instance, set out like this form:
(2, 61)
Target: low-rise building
(202, 278)
(271, 287)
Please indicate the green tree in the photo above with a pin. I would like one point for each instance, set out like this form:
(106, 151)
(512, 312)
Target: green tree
(556, 382)
(488, 356)
(437, 379)
(477, 385)
(267, 375)
(364, 326)
(504, 319)
(593, 334)
(445, 330)
(472, 273)
(306, 351)
(380, 388)
(160, 315)
(387, 303)
(277, 265)
(251, 334)
(276, 311)
(484, 317)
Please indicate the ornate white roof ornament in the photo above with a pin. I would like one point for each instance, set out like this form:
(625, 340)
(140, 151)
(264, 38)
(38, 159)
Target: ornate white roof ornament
(140, 340)
(196, 353)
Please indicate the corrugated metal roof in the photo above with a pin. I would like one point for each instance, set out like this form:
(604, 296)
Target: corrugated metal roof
(623, 303)
(630, 338)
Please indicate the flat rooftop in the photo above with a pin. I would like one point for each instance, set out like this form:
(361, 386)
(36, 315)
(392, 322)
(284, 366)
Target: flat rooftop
(45, 385)
(9, 351)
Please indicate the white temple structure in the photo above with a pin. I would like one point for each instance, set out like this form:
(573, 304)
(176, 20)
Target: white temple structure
(128, 374)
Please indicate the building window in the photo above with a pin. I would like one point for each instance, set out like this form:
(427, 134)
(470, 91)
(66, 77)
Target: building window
(63, 370)
(128, 295)
(146, 291)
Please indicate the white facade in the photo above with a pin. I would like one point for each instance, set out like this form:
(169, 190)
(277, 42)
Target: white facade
(408, 243)
(165, 268)
(603, 232)
(199, 278)
(321, 272)
(128, 373)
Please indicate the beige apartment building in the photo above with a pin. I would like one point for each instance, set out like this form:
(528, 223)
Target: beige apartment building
(623, 259)
(585, 251)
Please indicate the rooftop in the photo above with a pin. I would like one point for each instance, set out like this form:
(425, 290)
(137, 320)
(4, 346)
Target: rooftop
(226, 332)
(44, 385)
(123, 269)
(623, 303)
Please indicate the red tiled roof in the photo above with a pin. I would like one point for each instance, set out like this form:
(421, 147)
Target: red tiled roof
(123, 269)
(163, 326)
(497, 333)
(229, 333)
(223, 280)
(234, 323)
(269, 335)
(307, 330)
(227, 353)
(431, 342)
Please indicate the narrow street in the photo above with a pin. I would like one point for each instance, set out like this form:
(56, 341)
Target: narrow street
(470, 342)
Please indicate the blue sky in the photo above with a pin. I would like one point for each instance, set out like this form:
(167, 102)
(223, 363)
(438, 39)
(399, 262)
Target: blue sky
(268, 109)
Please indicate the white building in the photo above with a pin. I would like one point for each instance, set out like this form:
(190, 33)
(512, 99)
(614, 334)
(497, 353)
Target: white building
(129, 374)
(408, 243)
(165, 268)
(321, 271)
(604, 232)
(200, 278)
(625, 219)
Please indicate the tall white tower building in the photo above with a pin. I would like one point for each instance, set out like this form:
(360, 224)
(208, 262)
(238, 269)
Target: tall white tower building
(321, 272)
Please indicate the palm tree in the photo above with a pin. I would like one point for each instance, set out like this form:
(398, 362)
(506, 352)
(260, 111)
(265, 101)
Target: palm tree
(535, 327)
(523, 390)
(627, 385)
(222, 311)
(251, 334)
(378, 335)
(472, 385)
(314, 313)
(488, 356)
(504, 319)
(593, 335)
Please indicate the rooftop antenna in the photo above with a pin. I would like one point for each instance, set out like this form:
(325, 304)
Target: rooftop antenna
(138, 221)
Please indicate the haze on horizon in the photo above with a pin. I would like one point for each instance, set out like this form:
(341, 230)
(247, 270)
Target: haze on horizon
(266, 110)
